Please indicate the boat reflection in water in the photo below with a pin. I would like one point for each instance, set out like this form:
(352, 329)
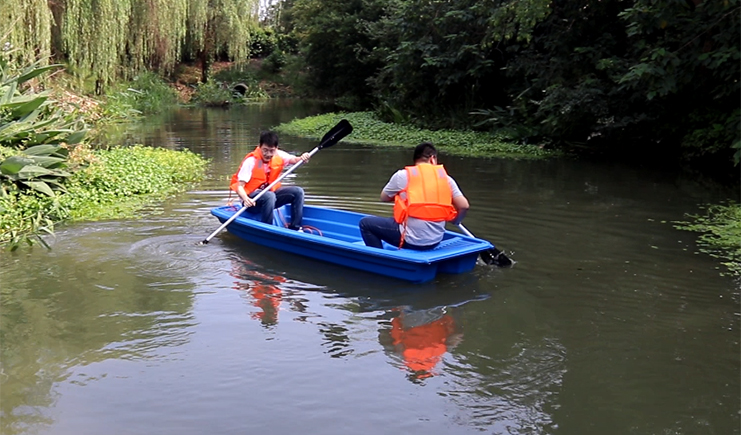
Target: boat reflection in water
(264, 290)
(416, 323)
(421, 338)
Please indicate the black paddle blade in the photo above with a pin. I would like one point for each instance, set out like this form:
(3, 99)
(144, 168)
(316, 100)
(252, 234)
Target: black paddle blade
(496, 257)
(339, 131)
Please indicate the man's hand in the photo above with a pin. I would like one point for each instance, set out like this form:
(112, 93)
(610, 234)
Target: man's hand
(305, 157)
(249, 202)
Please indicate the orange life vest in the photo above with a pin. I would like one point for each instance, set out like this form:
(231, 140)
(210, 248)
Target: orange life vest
(428, 195)
(259, 178)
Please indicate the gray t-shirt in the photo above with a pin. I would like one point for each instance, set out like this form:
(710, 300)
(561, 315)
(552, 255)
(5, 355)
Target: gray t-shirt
(419, 232)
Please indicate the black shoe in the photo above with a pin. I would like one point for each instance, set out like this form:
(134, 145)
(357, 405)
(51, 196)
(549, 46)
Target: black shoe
(296, 228)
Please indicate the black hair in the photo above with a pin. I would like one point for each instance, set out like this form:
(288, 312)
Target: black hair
(269, 138)
(425, 150)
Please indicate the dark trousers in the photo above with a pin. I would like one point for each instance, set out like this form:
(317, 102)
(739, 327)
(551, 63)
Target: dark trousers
(376, 229)
(268, 202)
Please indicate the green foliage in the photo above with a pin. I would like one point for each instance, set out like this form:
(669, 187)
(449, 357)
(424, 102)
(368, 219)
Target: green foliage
(275, 62)
(121, 180)
(212, 94)
(25, 31)
(39, 168)
(25, 216)
(721, 234)
(611, 75)
(263, 42)
(234, 74)
(26, 117)
(117, 183)
(335, 43)
(146, 94)
(39, 134)
(443, 58)
(106, 40)
(237, 86)
(368, 129)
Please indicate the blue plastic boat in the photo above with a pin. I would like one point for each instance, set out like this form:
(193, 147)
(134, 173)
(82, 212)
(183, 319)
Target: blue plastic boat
(335, 237)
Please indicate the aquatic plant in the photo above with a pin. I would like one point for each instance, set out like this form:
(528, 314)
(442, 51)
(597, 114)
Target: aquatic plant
(115, 183)
(368, 129)
(721, 234)
(123, 179)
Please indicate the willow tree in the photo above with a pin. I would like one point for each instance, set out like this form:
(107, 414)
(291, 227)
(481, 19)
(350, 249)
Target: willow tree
(94, 34)
(220, 27)
(25, 30)
(156, 36)
(107, 39)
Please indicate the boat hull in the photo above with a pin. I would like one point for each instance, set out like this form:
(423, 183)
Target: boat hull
(335, 238)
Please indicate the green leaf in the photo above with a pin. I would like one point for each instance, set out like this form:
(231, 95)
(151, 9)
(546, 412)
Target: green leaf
(28, 110)
(39, 186)
(41, 150)
(75, 137)
(32, 171)
(36, 72)
(47, 162)
(14, 164)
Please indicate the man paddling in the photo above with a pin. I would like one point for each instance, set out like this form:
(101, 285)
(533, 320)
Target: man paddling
(425, 197)
(260, 168)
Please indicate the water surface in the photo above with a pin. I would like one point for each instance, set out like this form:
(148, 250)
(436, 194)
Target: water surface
(610, 323)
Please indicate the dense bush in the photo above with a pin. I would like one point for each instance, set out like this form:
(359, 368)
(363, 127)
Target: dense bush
(657, 77)
(146, 94)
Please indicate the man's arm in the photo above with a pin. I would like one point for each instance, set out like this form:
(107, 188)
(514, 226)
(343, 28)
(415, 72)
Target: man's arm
(244, 176)
(461, 206)
(395, 185)
(459, 202)
(292, 160)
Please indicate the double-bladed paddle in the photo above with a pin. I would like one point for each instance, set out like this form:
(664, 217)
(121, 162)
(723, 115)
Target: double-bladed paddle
(490, 256)
(339, 131)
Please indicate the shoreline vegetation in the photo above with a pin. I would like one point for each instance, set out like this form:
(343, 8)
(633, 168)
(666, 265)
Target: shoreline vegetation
(50, 171)
(115, 183)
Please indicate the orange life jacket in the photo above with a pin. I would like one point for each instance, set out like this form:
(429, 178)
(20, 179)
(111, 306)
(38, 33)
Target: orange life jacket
(428, 195)
(259, 178)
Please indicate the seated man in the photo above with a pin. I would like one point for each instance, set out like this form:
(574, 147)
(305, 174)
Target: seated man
(425, 197)
(258, 170)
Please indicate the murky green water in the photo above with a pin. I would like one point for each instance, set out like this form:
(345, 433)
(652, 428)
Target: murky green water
(608, 324)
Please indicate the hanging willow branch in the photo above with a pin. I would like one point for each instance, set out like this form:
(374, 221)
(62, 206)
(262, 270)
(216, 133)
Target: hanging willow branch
(103, 40)
(25, 28)
(220, 27)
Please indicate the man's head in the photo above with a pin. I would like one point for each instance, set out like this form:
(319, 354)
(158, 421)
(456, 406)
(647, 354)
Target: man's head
(268, 145)
(425, 153)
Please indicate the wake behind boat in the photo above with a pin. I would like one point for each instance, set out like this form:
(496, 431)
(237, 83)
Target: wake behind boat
(334, 236)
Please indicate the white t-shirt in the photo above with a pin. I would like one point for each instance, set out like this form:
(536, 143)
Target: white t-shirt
(245, 174)
(419, 232)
